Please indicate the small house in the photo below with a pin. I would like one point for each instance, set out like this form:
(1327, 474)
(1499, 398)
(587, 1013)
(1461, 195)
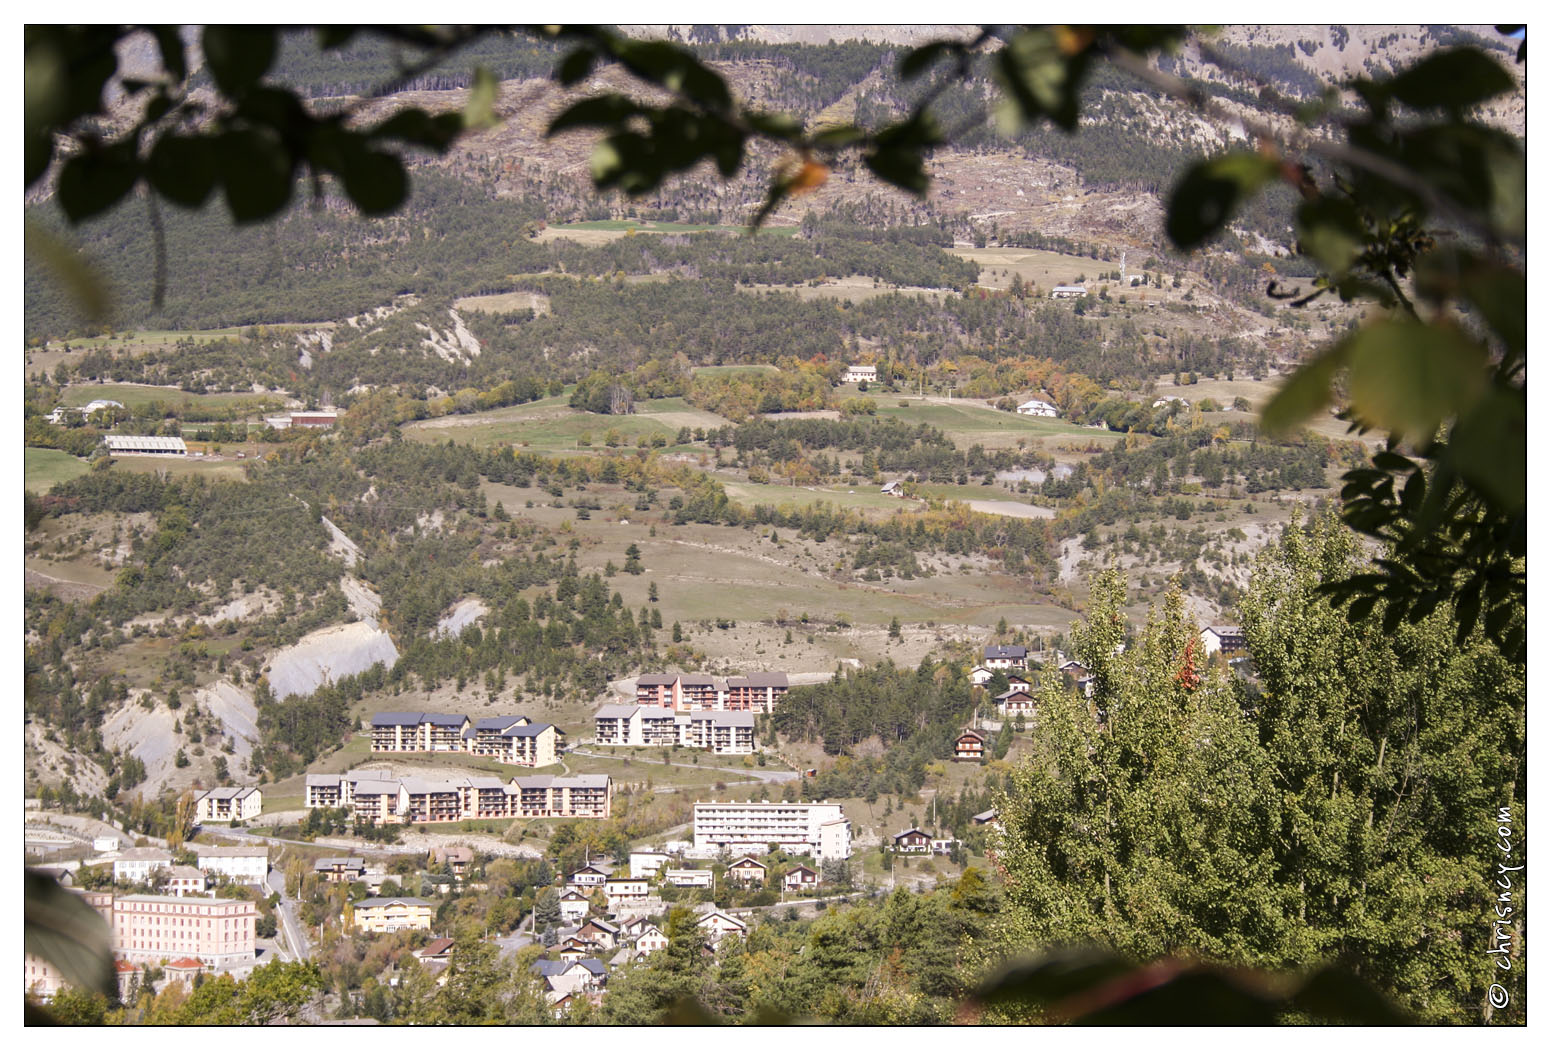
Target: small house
(800, 878)
(970, 747)
(1037, 407)
(747, 870)
(912, 841)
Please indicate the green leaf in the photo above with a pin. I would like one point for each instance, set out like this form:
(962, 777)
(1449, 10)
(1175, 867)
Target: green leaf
(1407, 377)
(601, 111)
(60, 927)
(1501, 294)
(576, 67)
(1040, 77)
(899, 167)
(256, 171)
(374, 180)
(1330, 232)
(1048, 980)
(94, 180)
(1206, 198)
(1456, 79)
(84, 282)
(916, 62)
(182, 169)
(1334, 995)
(1305, 393)
(238, 56)
(480, 110)
(1489, 448)
(418, 127)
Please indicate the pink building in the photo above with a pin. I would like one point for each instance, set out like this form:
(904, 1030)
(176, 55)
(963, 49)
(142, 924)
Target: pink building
(219, 932)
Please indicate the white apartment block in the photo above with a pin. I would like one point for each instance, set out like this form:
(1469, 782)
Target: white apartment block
(718, 732)
(239, 864)
(373, 798)
(513, 739)
(819, 829)
(136, 864)
(230, 804)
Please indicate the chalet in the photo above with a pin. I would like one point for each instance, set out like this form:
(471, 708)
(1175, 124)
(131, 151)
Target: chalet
(340, 870)
(912, 841)
(437, 949)
(1004, 658)
(970, 746)
(985, 817)
(718, 925)
(861, 374)
(588, 876)
(1016, 681)
(979, 675)
(1172, 400)
(651, 939)
(574, 949)
(1227, 639)
(894, 488)
(1074, 669)
(574, 906)
(634, 927)
(1015, 702)
(800, 878)
(622, 889)
(457, 859)
(1037, 407)
(1068, 292)
(599, 934)
(747, 870)
(568, 977)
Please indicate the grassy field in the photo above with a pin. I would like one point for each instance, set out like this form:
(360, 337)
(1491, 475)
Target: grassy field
(505, 302)
(551, 425)
(1036, 267)
(974, 423)
(181, 467)
(137, 396)
(42, 469)
(854, 288)
(734, 370)
(601, 231)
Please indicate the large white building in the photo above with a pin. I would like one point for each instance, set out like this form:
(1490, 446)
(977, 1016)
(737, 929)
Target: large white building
(819, 829)
(231, 804)
(238, 864)
(136, 864)
(722, 733)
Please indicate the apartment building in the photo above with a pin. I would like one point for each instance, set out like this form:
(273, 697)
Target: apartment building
(385, 915)
(420, 800)
(219, 932)
(241, 864)
(544, 795)
(375, 801)
(230, 804)
(136, 864)
(515, 739)
(418, 732)
(755, 692)
(819, 829)
(720, 732)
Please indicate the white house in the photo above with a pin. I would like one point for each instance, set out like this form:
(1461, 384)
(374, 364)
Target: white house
(230, 804)
(718, 925)
(646, 862)
(651, 940)
(688, 877)
(136, 864)
(979, 675)
(820, 829)
(574, 906)
(1068, 292)
(620, 889)
(861, 374)
(1038, 407)
(238, 864)
(1227, 639)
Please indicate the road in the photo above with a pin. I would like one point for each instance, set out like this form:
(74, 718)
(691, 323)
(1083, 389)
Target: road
(755, 774)
(295, 933)
(252, 837)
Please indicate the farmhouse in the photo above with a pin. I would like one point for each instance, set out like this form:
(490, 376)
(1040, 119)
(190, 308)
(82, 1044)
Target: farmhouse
(719, 925)
(912, 841)
(1016, 701)
(1038, 407)
(894, 488)
(1068, 292)
(861, 374)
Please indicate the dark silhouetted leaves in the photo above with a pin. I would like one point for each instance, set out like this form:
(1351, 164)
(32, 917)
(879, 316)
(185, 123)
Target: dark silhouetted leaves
(60, 927)
(95, 179)
(1206, 198)
(182, 168)
(238, 55)
(1456, 79)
